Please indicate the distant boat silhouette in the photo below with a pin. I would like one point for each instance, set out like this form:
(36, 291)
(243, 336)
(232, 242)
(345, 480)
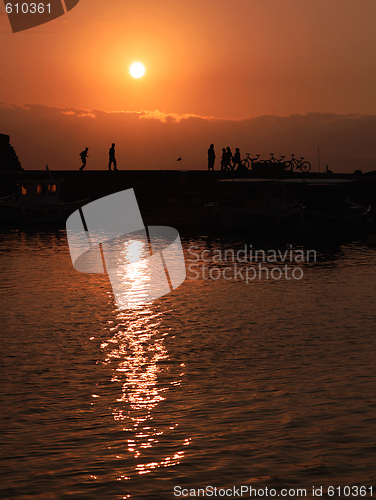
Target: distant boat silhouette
(319, 206)
(37, 201)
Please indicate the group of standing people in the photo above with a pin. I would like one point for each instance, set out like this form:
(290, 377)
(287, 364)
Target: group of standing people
(228, 160)
(111, 161)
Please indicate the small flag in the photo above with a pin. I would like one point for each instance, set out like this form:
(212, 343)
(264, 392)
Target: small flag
(179, 159)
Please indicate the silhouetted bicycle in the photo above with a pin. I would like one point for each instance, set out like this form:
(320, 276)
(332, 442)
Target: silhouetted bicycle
(274, 160)
(304, 166)
(248, 161)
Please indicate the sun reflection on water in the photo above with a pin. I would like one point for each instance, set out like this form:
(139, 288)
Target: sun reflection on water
(133, 272)
(143, 367)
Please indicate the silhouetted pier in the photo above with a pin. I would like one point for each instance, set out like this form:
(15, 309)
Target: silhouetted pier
(165, 189)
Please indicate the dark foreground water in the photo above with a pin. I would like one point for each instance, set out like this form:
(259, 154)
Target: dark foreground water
(221, 383)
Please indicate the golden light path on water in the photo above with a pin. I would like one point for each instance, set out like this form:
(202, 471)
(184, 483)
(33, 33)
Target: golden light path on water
(137, 352)
(137, 275)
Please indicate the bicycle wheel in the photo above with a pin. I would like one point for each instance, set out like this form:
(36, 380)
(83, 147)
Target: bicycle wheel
(245, 164)
(305, 166)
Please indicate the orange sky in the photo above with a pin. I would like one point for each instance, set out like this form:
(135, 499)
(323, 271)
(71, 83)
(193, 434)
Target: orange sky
(222, 58)
(211, 58)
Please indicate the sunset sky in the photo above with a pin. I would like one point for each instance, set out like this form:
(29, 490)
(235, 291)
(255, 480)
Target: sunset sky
(216, 59)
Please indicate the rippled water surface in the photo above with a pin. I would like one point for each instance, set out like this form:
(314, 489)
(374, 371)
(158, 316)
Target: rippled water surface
(223, 383)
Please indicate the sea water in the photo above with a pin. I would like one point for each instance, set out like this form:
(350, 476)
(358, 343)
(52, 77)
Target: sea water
(267, 384)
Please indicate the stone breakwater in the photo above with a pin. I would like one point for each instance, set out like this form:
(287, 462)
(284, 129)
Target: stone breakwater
(167, 191)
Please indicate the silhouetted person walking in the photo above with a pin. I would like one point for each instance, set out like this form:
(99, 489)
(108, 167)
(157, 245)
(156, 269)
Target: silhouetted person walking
(112, 159)
(223, 159)
(211, 157)
(84, 155)
(236, 159)
(228, 158)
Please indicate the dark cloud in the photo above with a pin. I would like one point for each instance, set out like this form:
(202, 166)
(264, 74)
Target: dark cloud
(154, 140)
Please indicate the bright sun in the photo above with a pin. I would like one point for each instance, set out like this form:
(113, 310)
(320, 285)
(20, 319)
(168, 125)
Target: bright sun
(137, 70)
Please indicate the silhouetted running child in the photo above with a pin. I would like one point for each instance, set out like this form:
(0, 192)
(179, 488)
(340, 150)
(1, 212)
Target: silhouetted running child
(211, 157)
(236, 160)
(84, 155)
(223, 159)
(112, 159)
